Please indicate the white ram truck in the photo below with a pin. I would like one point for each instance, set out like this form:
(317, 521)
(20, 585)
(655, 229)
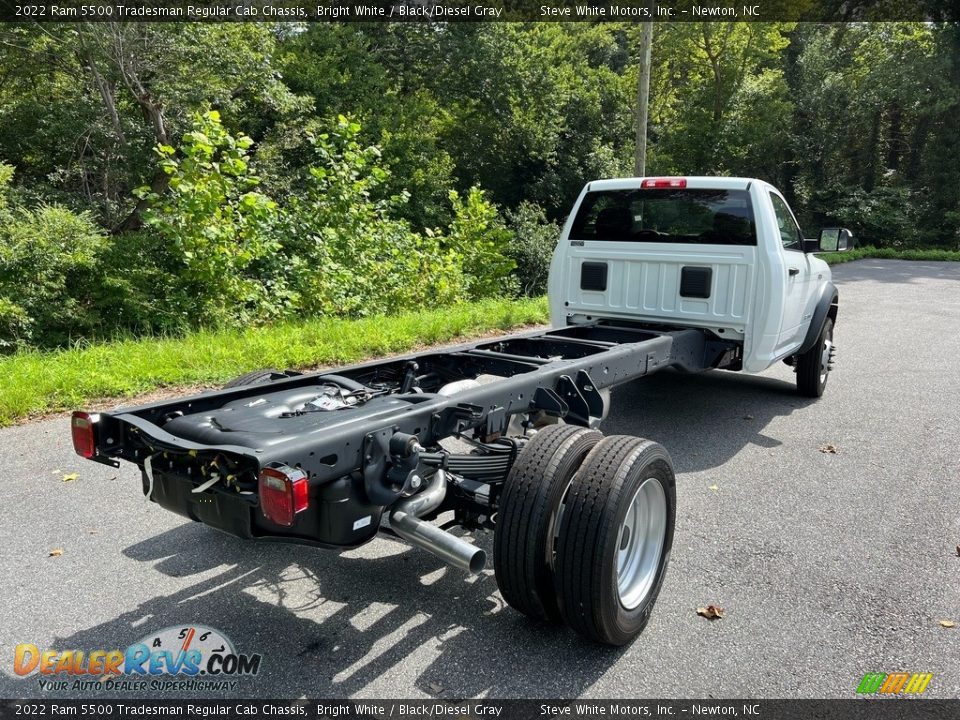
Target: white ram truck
(650, 273)
(725, 255)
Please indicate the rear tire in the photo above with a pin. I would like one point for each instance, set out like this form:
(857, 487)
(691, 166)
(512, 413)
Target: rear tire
(615, 539)
(255, 377)
(523, 541)
(813, 367)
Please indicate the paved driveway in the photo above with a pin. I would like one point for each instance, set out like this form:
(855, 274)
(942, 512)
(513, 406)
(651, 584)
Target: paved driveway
(828, 565)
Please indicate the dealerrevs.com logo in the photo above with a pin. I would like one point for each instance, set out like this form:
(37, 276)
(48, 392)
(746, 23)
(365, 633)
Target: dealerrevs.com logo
(189, 658)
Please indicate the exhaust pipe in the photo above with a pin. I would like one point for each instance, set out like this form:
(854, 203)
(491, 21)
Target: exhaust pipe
(405, 521)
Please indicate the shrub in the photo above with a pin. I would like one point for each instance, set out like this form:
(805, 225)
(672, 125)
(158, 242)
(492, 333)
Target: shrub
(220, 225)
(337, 246)
(883, 216)
(348, 252)
(140, 290)
(14, 325)
(534, 240)
(48, 276)
(481, 241)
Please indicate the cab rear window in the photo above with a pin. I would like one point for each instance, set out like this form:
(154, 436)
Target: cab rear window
(715, 217)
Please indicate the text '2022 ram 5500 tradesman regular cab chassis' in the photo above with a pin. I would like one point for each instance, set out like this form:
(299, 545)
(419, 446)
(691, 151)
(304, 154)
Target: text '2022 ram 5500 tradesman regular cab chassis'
(649, 273)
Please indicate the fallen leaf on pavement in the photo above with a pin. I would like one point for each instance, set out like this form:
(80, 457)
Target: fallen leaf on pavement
(710, 612)
(434, 688)
(56, 552)
(948, 623)
(713, 487)
(830, 448)
(70, 477)
(748, 417)
(958, 550)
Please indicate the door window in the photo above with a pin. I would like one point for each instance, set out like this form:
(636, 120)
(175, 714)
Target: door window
(790, 235)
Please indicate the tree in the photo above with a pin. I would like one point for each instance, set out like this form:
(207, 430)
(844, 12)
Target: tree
(105, 94)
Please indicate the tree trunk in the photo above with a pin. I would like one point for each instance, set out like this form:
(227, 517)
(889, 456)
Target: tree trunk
(895, 138)
(871, 153)
(714, 58)
(153, 113)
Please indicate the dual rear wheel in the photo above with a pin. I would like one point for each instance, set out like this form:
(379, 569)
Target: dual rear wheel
(584, 531)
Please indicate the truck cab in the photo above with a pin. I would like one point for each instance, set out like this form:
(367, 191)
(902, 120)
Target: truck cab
(723, 254)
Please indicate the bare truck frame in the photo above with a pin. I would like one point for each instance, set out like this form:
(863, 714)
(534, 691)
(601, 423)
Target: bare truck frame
(648, 273)
(322, 459)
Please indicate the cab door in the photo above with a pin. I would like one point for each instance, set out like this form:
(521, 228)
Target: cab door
(797, 269)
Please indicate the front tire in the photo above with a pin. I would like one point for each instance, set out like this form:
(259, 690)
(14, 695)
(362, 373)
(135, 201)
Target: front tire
(615, 539)
(813, 367)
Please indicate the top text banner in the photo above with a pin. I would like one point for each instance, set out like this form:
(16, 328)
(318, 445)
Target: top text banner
(491, 11)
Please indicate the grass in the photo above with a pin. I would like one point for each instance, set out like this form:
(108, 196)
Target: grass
(35, 382)
(890, 254)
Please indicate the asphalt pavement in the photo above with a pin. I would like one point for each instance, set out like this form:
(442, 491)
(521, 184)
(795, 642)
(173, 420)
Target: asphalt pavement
(828, 565)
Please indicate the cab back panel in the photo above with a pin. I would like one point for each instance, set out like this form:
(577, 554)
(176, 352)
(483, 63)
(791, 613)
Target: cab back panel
(704, 285)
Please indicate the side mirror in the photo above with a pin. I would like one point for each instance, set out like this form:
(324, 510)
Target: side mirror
(835, 240)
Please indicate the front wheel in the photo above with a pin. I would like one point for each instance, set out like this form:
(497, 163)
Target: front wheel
(615, 538)
(813, 367)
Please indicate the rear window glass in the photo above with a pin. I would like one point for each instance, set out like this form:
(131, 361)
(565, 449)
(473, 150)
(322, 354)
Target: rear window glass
(719, 217)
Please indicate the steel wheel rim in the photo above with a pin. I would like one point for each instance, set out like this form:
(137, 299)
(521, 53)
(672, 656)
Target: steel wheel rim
(553, 536)
(640, 543)
(825, 357)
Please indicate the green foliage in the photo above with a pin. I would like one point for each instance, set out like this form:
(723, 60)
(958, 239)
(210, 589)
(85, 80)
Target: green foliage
(335, 246)
(875, 130)
(707, 78)
(855, 122)
(481, 241)
(48, 273)
(534, 240)
(15, 325)
(141, 290)
(885, 212)
(350, 254)
(82, 105)
(220, 225)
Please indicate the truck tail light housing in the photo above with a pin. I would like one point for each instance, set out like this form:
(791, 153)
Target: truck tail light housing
(284, 492)
(83, 429)
(665, 183)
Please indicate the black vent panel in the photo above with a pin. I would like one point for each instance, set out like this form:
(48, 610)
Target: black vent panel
(593, 276)
(695, 282)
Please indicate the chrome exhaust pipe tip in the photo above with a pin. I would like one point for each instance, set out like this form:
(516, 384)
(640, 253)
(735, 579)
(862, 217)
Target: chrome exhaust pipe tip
(449, 548)
(405, 522)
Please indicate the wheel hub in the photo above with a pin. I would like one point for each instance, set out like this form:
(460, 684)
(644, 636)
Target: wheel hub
(641, 543)
(826, 358)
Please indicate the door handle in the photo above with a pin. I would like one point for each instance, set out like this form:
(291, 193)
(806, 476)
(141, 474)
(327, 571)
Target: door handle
(793, 271)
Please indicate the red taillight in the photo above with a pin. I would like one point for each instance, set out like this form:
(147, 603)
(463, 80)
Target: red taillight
(283, 493)
(669, 182)
(83, 430)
